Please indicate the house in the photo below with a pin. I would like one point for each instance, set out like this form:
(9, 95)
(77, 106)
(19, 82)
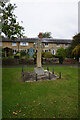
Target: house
(51, 44)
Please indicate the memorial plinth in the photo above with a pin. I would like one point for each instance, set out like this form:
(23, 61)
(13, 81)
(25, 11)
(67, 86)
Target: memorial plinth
(39, 70)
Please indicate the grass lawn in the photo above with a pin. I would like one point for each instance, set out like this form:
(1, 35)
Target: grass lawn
(41, 99)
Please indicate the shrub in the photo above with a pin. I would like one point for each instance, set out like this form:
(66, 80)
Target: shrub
(61, 52)
(22, 53)
(27, 55)
(35, 55)
(47, 55)
(68, 52)
(43, 53)
(18, 54)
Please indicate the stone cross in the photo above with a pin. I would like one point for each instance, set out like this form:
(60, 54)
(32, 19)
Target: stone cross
(39, 46)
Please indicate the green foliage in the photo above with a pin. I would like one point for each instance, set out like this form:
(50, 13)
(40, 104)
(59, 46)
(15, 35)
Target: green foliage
(75, 44)
(68, 52)
(35, 55)
(47, 55)
(42, 53)
(76, 52)
(22, 53)
(18, 54)
(76, 40)
(27, 55)
(10, 26)
(61, 52)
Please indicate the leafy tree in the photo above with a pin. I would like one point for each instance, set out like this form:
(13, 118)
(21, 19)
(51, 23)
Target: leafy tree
(68, 52)
(76, 50)
(48, 55)
(10, 27)
(61, 52)
(75, 41)
(73, 50)
(46, 35)
(76, 46)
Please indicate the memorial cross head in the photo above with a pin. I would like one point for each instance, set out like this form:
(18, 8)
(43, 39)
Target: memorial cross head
(39, 45)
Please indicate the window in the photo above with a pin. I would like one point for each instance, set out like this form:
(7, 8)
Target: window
(53, 52)
(24, 43)
(46, 50)
(58, 45)
(46, 44)
(14, 51)
(66, 45)
(14, 44)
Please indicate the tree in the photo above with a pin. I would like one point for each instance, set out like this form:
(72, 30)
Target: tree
(76, 40)
(46, 35)
(68, 52)
(76, 50)
(10, 27)
(61, 52)
(75, 44)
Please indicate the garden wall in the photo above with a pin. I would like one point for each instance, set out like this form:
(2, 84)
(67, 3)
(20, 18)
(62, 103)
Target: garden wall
(50, 61)
(12, 61)
(69, 61)
(32, 61)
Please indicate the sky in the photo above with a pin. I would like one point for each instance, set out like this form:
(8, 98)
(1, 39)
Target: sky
(60, 17)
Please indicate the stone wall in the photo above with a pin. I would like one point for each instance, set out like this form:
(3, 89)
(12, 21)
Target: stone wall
(11, 61)
(49, 61)
(69, 61)
(45, 61)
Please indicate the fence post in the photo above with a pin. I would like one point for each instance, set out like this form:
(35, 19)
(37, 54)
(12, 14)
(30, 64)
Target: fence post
(22, 68)
(53, 71)
(60, 75)
(49, 75)
(36, 77)
(23, 74)
(48, 68)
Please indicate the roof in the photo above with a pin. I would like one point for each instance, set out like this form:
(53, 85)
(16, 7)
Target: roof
(44, 40)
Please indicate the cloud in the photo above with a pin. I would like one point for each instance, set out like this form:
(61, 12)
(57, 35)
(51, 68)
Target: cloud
(59, 18)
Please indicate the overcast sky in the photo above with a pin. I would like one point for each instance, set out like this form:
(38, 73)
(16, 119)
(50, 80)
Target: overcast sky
(60, 17)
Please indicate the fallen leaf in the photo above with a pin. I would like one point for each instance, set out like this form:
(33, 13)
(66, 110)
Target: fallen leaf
(23, 114)
(54, 117)
(44, 110)
(24, 107)
(14, 113)
(17, 104)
